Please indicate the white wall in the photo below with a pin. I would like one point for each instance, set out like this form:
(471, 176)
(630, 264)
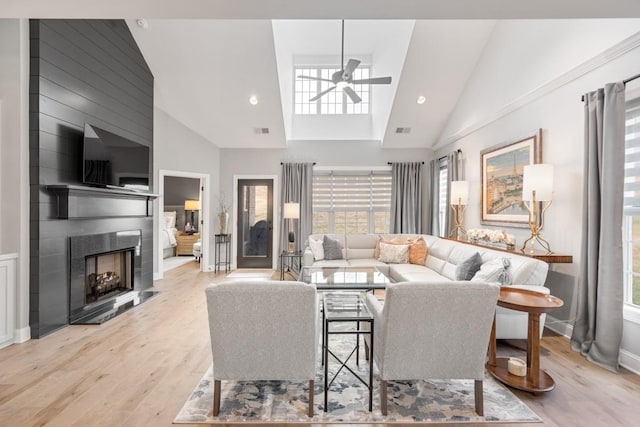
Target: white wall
(14, 158)
(517, 60)
(178, 148)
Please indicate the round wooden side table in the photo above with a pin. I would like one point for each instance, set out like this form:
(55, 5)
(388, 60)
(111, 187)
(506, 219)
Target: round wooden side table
(534, 303)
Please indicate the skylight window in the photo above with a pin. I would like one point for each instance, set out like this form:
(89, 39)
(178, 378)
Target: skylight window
(334, 102)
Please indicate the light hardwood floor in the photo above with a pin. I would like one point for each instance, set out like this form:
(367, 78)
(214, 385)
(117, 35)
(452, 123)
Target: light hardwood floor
(139, 368)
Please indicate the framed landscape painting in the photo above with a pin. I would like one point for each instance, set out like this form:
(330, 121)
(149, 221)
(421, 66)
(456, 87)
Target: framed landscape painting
(502, 171)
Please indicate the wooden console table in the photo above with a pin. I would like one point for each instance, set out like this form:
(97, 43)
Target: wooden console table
(535, 303)
(550, 258)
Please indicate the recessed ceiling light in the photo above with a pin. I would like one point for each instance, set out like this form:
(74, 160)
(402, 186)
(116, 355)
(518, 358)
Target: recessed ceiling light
(421, 99)
(253, 100)
(142, 23)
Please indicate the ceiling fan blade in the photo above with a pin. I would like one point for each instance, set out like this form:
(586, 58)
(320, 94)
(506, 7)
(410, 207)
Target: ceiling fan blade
(315, 98)
(315, 78)
(352, 94)
(351, 66)
(373, 81)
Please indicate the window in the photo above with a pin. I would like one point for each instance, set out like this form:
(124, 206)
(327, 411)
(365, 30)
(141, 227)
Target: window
(334, 102)
(631, 221)
(357, 202)
(443, 188)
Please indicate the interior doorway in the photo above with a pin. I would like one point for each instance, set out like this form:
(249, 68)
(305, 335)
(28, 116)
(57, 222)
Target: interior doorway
(254, 236)
(183, 220)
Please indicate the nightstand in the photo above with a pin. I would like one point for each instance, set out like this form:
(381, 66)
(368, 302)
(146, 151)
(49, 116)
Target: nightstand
(185, 243)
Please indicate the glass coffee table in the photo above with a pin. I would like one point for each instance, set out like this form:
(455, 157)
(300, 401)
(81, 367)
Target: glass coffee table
(345, 278)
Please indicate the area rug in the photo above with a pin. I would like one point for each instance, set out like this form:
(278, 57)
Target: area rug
(433, 401)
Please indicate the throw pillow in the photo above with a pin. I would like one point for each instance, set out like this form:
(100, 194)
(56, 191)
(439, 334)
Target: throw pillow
(417, 251)
(469, 267)
(398, 240)
(495, 270)
(332, 248)
(394, 254)
(317, 249)
(170, 219)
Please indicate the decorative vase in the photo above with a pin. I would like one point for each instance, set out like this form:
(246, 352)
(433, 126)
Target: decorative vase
(223, 217)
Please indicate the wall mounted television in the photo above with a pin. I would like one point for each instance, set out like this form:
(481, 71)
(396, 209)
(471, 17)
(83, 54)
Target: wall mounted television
(110, 160)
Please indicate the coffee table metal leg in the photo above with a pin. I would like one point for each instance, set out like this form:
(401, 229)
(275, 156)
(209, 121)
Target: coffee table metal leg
(371, 369)
(326, 364)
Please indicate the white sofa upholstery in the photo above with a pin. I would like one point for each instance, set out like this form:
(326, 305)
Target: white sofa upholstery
(266, 330)
(440, 265)
(437, 330)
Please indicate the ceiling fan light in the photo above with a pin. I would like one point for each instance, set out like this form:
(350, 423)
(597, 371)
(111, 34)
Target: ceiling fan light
(342, 84)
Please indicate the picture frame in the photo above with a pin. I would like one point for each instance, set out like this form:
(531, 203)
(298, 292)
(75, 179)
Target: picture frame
(502, 168)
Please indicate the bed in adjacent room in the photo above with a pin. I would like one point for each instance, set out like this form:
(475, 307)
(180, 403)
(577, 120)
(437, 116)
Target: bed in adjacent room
(168, 235)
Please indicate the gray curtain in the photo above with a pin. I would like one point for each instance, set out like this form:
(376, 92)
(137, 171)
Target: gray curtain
(598, 328)
(297, 180)
(406, 197)
(454, 173)
(433, 221)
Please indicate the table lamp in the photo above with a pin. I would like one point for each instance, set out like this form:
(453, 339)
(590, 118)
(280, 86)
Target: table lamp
(192, 205)
(291, 211)
(459, 199)
(537, 192)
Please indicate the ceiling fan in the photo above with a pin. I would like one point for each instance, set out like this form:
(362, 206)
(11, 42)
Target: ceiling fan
(344, 78)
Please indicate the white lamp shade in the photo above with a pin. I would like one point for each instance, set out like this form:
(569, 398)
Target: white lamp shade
(192, 205)
(459, 192)
(291, 210)
(538, 178)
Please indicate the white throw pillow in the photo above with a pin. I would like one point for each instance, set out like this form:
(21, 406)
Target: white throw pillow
(491, 270)
(394, 254)
(170, 219)
(316, 249)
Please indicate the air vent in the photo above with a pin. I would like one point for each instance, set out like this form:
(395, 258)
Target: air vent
(261, 131)
(403, 130)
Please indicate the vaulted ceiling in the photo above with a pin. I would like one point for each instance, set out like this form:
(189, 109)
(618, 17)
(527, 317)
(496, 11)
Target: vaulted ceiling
(212, 55)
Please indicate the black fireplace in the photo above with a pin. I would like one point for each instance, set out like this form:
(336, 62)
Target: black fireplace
(105, 270)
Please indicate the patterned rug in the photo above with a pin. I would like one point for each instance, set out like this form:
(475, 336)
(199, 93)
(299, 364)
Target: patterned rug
(415, 401)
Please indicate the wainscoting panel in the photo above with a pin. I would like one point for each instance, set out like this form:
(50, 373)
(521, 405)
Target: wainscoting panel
(7, 299)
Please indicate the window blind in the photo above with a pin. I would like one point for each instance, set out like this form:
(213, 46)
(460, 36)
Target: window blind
(632, 157)
(341, 191)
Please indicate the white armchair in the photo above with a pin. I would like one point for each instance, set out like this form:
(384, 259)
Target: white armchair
(263, 330)
(433, 330)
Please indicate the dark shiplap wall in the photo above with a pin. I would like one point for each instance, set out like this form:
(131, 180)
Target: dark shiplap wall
(81, 71)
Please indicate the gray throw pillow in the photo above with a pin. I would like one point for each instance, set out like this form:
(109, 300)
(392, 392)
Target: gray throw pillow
(332, 248)
(469, 267)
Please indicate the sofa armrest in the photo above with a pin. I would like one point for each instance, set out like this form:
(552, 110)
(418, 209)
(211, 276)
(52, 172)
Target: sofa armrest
(307, 257)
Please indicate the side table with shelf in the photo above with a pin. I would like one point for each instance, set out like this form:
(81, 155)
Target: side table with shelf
(290, 262)
(222, 245)
(184, 243)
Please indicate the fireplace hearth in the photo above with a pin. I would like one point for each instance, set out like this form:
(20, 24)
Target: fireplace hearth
(105, 271)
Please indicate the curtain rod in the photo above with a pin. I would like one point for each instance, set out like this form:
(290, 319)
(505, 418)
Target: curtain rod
(390, 163)
(314, 163)
(630, 79)
(444, 157)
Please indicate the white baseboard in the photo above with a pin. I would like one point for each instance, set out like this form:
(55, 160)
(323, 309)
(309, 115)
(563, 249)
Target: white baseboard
(157, 276)
(558, 326)
(21, 335)
(209, 268)
(630, 361)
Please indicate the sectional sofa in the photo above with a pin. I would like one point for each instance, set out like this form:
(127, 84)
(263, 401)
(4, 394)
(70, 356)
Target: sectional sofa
(443, 256)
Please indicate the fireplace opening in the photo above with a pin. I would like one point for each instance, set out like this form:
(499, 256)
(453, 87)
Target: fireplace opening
(108, 274)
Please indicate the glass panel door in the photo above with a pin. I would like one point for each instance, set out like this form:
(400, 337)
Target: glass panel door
(255, 223)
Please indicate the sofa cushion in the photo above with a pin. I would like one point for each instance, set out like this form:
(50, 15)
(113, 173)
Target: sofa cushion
(413, 273)
(394, 254)
(332, 249)
(361, 246)
(317, 248)
(469, 267)
(332, 263)
(368, 263)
